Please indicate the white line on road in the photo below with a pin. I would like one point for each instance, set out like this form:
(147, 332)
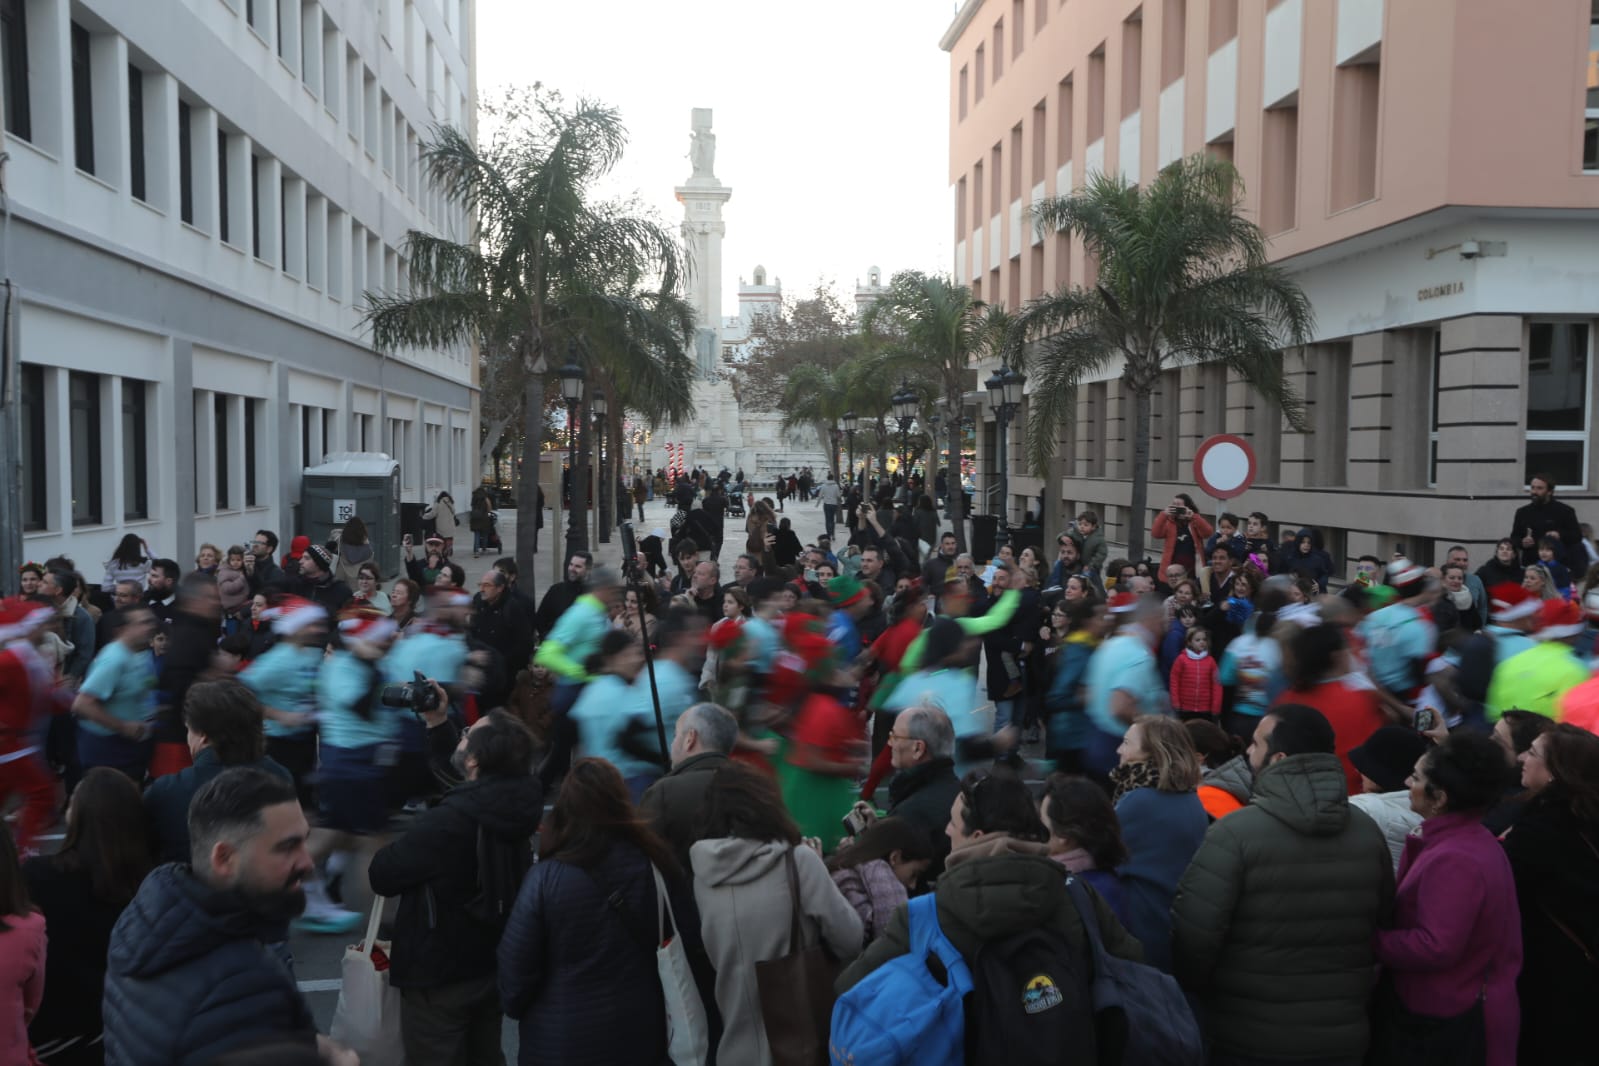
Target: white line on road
(332, 984)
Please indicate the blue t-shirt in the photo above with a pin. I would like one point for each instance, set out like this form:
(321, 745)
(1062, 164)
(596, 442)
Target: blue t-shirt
(764, 643)
(123, 681)
(285, 679)
(437, 656)
(1397, 640)
(576, 636)
(342, 683)
(604, 710)
(1253, 666)
(952, 690)
(1123, 663)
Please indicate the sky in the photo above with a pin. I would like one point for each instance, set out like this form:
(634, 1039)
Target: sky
(831, 119)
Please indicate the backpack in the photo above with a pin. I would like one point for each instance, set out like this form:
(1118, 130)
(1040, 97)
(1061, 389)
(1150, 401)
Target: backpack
(1141, 1015)
(1031, 1003)
(911, 1009)
(501, 865)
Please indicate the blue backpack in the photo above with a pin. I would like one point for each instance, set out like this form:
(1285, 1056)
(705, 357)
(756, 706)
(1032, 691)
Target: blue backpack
(911, 1009)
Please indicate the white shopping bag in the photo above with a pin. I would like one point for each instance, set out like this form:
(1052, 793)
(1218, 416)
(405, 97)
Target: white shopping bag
(367, 1019)
(688, 1036)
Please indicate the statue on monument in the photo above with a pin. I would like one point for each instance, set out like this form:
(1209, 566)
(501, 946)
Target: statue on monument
(702, 148)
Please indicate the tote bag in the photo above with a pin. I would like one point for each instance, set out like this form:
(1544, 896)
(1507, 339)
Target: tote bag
(796, 992)
(367, 1019)
(688, 1035)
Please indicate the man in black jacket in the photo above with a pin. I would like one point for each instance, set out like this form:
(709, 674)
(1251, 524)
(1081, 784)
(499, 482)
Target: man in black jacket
(922, 743)
(457, 871)
(259, 566)
(701, 742)
(1543, 515)
(499, 622)
(192, 640)
(189, 974)
(317, 582)
(558, 597)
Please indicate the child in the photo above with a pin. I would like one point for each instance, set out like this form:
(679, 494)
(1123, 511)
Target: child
(1549, 549)
(1195, 680)
(1091, 547)
(1183, 621)
(1227, 532)
(233, 588)
(1257, 535)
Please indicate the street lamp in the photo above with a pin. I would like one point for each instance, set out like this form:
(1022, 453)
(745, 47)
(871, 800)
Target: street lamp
(603, 482)
(850, 422)
(1005, 398)
(572, 378)
(904, 403)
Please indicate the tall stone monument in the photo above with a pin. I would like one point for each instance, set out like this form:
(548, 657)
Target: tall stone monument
(702, 197)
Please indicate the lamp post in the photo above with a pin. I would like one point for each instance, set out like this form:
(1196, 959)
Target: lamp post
(572, 378)
(904, 403)
(604, 484)
(1005, 398)
(850, 422)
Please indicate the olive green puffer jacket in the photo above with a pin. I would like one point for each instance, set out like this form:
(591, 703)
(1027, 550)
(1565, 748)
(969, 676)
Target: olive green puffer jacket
(1273, 920)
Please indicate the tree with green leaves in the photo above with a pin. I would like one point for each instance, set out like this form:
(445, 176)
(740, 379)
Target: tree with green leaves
(934, 330)
(552, 270)
(1183, 280)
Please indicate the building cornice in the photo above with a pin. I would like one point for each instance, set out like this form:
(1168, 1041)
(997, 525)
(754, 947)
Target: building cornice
(963, 18)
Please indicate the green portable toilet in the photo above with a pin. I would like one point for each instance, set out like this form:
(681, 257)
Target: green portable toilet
(350, 484)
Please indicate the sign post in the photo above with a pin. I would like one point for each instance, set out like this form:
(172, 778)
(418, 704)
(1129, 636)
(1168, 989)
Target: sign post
(1224, 466)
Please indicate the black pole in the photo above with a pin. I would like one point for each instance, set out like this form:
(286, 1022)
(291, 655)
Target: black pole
(1002, 420)
(630, 570)
(571, 479)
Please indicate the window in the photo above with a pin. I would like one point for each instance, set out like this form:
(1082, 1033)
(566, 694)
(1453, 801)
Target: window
(1559, 383)
(224, 198)
(1040, 131)
(999, 49)
(960, 209)
(136, 130)
(1041, 16)
(1223, 22)
(1096, 96)
(255, 204)
(250, 477)
(963, 93)
(82, 102)
(1590, 122)
(1018, 20)
(1063, 127)
(34, 476)
(14, 54)
(1015, 169)
(1433, 405)
(1279, 184)
(1132, 65)
(186, 166)
(980, 75)
(1173, 41)
(84, 404)
(1354, 154)
(221, 438)
(135, 451)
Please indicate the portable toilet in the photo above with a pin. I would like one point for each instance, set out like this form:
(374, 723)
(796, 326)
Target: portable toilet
(354, 484)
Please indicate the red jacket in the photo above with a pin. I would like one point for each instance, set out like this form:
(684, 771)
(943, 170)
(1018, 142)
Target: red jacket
(1165, 529)
(1195, 684)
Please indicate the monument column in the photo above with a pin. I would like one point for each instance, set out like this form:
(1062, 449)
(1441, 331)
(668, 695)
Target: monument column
(702, 197)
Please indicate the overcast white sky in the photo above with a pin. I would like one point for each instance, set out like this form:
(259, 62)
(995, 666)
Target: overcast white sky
(831, 118)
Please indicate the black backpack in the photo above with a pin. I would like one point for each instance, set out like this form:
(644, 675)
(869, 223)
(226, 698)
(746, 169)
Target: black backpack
(502, 863)
(1030, 1003)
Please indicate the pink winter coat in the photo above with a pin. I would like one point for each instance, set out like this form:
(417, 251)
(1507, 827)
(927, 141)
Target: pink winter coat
(234, 589)
(21, 985)
(875, 893)
(1456, 931)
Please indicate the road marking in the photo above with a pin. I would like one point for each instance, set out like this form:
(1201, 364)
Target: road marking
(332, 984)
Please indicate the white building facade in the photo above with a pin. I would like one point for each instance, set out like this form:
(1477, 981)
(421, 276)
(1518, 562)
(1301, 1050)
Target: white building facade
(200, 192)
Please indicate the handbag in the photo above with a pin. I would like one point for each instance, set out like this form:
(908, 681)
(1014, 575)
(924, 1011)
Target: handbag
(796, 991)
(688, 1036)
(367, 1019)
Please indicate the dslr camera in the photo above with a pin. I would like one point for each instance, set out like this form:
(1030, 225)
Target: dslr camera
(417, 694)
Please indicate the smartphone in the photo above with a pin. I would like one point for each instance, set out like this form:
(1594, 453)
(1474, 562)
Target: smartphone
(1425, 718)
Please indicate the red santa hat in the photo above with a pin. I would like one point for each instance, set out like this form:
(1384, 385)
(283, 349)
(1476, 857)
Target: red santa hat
(1558, 619)
(367, 625)
(294, 613)
(20, 617)
(1509, 601)
(1406, 577)
(1590, 604)
(1122, 602)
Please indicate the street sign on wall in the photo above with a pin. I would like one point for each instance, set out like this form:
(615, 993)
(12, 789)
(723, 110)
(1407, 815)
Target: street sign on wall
(1224, 466)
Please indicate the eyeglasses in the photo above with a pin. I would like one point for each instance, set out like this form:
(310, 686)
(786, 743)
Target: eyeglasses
(898, 736)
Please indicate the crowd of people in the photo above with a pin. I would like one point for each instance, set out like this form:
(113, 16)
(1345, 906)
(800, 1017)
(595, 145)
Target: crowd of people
(1357, 820)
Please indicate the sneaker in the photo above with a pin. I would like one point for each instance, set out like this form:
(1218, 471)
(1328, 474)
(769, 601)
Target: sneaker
(328, 922)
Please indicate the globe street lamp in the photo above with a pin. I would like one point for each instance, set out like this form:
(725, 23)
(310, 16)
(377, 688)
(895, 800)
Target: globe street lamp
(850, 422)
(572, 379)
(1005, 398)
(904, 403)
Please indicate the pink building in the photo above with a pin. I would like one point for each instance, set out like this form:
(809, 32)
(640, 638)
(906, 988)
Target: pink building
(1429, 169)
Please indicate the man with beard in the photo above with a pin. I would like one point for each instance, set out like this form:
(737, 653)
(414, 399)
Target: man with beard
(557, 598)
(161, 589)
(457, 871)
(189, 974)
(1543, 515)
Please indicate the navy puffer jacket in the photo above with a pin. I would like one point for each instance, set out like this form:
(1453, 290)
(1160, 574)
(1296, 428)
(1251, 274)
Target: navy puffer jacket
(189, 976)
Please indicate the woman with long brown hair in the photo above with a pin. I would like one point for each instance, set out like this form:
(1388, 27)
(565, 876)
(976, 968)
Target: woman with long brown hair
(577, 961)
(82, 890)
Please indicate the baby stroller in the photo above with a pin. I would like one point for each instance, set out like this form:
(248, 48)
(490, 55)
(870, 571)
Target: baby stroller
(735, 504)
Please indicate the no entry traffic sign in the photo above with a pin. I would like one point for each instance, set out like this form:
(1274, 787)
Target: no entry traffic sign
(1224, 466)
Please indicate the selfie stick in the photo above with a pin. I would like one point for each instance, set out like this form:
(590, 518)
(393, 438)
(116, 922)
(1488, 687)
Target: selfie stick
(630, 570)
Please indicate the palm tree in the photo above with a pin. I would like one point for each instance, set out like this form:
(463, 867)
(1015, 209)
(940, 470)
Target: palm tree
(816, 396)
(1183, 280)
(936, 329)
(543, 268)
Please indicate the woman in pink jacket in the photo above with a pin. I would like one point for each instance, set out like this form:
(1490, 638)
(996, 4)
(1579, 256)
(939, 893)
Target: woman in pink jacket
(1451, 957)
(21, 958)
